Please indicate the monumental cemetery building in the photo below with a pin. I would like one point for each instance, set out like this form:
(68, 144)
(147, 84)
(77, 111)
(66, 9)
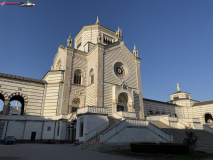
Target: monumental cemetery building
(93, 90)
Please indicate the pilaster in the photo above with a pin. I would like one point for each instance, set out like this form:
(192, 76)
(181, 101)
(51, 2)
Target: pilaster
(6, 103)
(67, 80)
(98, 76)
(138, 72)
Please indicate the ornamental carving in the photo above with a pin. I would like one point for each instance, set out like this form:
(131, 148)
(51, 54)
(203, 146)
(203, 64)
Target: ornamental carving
(124, 86)
(120, 70)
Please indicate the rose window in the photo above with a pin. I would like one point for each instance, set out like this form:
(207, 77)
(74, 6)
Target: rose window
(120, 70)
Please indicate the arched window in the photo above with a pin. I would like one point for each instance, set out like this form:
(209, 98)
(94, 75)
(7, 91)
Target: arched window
(91, 74)
(77, 76)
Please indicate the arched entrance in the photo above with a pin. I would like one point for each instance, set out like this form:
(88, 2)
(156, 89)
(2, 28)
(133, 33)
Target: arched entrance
(208, 118)
(1, 103)
(122, 102)
(4, 102)
(20, 98)
(75, 104)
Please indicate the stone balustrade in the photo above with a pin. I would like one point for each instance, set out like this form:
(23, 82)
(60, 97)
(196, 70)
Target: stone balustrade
(127, 114)
(88, 109)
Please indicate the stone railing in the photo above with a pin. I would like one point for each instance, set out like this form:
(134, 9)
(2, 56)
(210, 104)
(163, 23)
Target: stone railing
(88, 109)
(170, 121)
(96, 131)
(137, 123)
(208, 128)
(191, 120)
(127, 114)
(185, 123)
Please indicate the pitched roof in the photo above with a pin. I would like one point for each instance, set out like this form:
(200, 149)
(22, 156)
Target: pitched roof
(21, 78)
(159, 101)
(203, 103)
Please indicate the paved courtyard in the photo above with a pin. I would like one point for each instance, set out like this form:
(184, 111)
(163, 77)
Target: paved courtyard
(52, 152)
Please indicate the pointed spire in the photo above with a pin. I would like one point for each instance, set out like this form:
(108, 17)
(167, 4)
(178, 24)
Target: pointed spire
(70, 36)
(178, 87)
(97, 21)
(119, 34)
(135, 51)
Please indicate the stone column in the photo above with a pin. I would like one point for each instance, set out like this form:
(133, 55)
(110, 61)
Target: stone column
(138, 72)
(98, 76)
(6, 103)
(67, 81)
(25, 108)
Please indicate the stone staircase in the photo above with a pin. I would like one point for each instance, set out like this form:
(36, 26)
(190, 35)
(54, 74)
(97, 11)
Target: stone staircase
(1, 129)
(205, 139)
(95, 147)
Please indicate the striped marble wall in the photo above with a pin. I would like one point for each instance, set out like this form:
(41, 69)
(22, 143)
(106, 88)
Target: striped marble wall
(33, 91)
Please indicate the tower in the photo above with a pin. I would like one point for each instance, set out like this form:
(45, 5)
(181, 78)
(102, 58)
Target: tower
(69, 41)
(135, 51)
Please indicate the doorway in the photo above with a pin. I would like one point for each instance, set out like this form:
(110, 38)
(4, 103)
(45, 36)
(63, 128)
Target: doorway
(33, 135)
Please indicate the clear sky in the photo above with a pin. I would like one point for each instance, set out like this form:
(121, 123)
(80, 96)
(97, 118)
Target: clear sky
(174, 39)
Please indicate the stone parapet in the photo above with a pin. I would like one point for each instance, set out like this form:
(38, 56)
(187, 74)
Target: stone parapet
(97, 110)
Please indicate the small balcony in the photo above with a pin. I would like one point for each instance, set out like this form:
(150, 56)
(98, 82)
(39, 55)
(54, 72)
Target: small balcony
(89, 109)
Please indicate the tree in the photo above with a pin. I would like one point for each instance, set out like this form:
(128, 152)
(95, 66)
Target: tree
(190, 139)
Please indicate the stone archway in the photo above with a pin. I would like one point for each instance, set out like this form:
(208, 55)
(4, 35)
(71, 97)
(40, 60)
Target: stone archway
(22, 99)
(122, 102)
(75, 104)
(208, 118)
(4, 98)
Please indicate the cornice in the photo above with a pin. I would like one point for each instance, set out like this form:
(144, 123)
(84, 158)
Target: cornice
(13, 77)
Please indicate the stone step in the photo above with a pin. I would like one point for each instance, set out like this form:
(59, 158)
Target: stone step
(205, 139)
(87, 145)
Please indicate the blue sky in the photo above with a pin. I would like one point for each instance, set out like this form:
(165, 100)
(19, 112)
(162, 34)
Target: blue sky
(174, 39)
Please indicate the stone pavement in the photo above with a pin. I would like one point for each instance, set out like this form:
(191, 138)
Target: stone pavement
(31, 151)
(52, 152)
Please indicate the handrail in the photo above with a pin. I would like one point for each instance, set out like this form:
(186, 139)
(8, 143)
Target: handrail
(159, 128)
(139, 123)
(184, 122)
(97, 130)
(74, 113)
(114, 126)
(207, 128)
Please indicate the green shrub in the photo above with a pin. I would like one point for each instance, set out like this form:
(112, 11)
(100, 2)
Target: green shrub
(169, 148)
(191, 140)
